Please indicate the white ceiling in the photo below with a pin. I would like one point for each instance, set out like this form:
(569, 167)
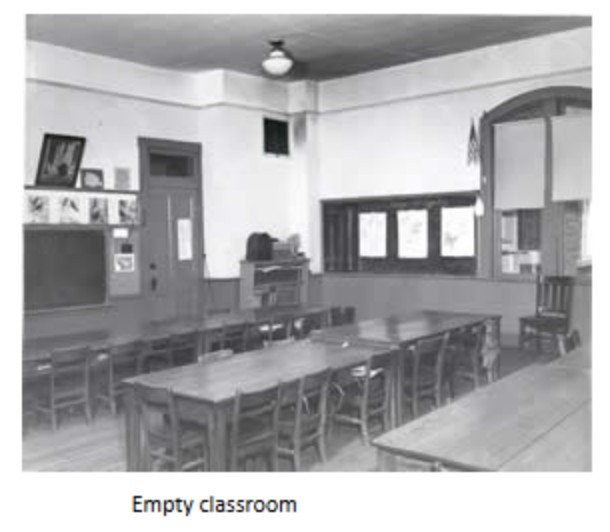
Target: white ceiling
(325, 46)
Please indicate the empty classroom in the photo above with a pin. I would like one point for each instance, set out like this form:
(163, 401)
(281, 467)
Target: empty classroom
(307, 243)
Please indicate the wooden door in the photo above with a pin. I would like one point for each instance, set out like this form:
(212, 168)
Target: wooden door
(172, 247)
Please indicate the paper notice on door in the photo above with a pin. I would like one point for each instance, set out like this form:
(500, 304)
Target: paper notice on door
(185, 239)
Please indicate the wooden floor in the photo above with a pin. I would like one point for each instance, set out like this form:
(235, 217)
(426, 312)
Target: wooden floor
(76, 446)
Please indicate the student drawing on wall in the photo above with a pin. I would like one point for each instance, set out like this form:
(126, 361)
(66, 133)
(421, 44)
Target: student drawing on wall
(37, 210)
(69, 211)
(98, 211)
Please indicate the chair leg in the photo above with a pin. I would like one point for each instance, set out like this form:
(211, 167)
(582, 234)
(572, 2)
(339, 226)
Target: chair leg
(321, 446)
(53, 418)
(274, 459)
(364, 431)
(296, 459)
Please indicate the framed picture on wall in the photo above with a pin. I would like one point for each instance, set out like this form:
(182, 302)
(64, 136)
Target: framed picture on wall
(92, 178)
(60, 159)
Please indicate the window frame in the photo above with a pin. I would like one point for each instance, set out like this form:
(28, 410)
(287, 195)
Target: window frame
(343, 256)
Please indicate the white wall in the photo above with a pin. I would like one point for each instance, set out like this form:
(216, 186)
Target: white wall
(401, 130)
(404, 130)
(111, 103)
(110, 124)
(244, 189)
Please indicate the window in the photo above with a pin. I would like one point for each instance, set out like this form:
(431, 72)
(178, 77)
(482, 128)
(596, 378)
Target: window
(539, 167)
(275, 134)
(520, 234)
(171, 165)
(401, 234)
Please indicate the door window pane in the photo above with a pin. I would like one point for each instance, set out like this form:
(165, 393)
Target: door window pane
(520, 241)
(170, 165)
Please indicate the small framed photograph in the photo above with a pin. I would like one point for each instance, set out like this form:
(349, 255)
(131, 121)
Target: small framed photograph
(92, 178)
(60, 160)
(124, 262)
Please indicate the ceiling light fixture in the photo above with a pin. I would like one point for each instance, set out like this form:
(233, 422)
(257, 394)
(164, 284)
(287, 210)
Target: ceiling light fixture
(278, 62)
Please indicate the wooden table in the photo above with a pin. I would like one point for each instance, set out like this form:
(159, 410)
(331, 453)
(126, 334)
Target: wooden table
(400, 330)
(39, 349)
(538, 418)
(397, 333)
(216, 383)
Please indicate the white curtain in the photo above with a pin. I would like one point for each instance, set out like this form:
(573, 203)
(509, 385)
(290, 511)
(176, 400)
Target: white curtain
(519, 154)
(571, 157)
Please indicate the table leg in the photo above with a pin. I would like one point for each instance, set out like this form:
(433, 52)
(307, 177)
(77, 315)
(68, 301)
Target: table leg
(132, 430)
(217, 423)
(397, 386)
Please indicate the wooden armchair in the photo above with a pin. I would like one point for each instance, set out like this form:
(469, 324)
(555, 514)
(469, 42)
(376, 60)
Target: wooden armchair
(551, 320)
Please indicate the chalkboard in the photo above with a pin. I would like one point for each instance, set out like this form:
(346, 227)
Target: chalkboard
(64, 268)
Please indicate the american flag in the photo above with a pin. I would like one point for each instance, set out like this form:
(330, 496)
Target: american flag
(473, 145)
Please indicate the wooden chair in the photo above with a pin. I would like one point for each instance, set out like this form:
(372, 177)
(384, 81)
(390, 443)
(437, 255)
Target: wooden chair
(35, 375)
(303, 417)
(254, 427)
(185, 347)
(425, 374)
(167, 443)
(156, 354)
(349, 315)
(365, 397)
(192, 422)
(336, 316)
(553, 311)
(235, 337)
(111, 367)
(67, 384)
(464, 356)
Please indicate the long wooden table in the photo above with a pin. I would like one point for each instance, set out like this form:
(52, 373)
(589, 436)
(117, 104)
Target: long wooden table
(538, 418)
(39, 349)
(215, 383)
(398, 332)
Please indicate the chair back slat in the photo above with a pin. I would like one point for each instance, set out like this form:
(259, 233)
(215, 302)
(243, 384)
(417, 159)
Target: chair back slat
(554, 294)
(234, 337)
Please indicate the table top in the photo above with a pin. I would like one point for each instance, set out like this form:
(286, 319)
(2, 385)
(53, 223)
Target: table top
(580, 358)
(40, 348)
(567, 447)
(218, 381)
(493, 427)
(399, 330)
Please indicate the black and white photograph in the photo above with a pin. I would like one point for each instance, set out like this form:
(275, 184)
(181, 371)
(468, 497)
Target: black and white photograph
(435, 314)
(60, 158)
